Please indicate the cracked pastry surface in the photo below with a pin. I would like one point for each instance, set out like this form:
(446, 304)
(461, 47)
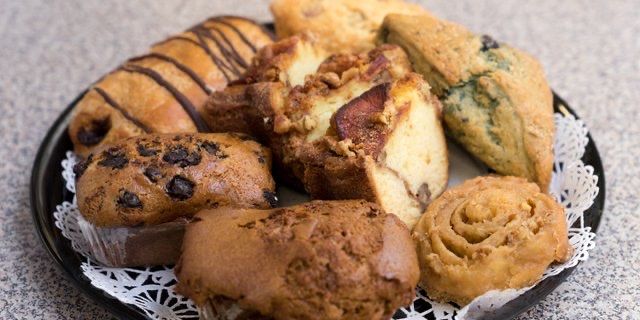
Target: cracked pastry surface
(318, 260)
(154, 179)
(164, 90)
(341, 26)
(496, 100)
(490, 233)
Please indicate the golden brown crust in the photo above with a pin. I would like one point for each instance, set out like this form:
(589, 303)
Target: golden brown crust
(497, 102)
(374, 133)
(444, 52)
(490, 233)
(163, 91)
(341, 26)
(152, 179)
(283, 64)
(318, 260)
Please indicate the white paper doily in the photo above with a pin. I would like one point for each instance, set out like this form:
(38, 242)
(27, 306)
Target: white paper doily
(151, 289)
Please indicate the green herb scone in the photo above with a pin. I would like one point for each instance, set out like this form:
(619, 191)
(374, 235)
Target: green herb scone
(496, 100)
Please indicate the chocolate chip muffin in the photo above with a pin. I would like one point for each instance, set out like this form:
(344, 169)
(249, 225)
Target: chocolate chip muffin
(153, 179)
(164, 90)
(496, 100)
(318, 260)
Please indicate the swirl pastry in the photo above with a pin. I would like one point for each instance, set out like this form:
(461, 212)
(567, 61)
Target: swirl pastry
(164, 91)
(490, 233)
(496, 100)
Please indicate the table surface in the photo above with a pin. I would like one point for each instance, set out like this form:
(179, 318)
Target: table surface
(51, 50)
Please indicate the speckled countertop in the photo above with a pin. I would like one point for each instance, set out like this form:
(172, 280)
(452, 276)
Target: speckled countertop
(51, 50)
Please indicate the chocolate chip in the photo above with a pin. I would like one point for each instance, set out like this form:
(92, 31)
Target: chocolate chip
(213, 148)
(261, 159)
(180, 188)
(153, 174)
(271, 198)
(95, 132)
(129, 199)
(80, 167)
(181, 156)
(113, 158)
(489, 43)
(146, 151)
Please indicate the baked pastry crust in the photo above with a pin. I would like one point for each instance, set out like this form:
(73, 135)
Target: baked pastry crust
(341, 26)
(365, 127)
(490, 233)
(317, 260)
(278, 66)
(496, 100)
(164, 90)
(153, 179)
(362, 127)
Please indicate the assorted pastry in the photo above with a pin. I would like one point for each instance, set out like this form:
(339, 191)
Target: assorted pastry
(352, 104)
(318, 260)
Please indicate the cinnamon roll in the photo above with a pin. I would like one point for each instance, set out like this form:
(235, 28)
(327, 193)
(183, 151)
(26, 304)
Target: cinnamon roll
(490, 233)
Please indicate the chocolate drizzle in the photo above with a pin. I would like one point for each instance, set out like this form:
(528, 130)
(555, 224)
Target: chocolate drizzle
(244, 39)
(122, 111)
(184, 102)
(192, 74)
(227, 61)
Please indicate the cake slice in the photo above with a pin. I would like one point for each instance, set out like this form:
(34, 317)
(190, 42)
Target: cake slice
(365, 127)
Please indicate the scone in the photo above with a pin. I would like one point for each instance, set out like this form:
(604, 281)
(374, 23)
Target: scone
(164, 91)
(151, 183)
(282, 65)
(365, 127)
(318, 260)
(341, 26)
(496, 100)
(490, 233)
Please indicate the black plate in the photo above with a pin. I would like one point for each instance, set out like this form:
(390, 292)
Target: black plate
(48, 190)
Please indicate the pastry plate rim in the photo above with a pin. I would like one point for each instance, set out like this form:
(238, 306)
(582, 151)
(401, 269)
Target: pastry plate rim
(45, 176)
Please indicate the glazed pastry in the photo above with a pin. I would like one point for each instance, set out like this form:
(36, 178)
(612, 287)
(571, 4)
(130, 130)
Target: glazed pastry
(496, 101)
(490, 233)
(365, 127)
(341, 26)
(137, 195)
(283, 64)
(308, 261)
(164, 90)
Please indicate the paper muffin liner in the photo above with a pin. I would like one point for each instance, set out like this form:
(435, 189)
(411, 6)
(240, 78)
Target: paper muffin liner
(151, 289)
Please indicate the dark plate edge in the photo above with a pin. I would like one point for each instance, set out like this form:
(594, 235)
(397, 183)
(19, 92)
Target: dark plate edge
(46, 236)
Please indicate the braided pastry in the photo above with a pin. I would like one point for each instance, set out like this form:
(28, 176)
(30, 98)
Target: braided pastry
(164, 90)
(488, 233)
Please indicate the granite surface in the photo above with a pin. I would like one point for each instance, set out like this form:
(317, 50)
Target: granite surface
(51, 50)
